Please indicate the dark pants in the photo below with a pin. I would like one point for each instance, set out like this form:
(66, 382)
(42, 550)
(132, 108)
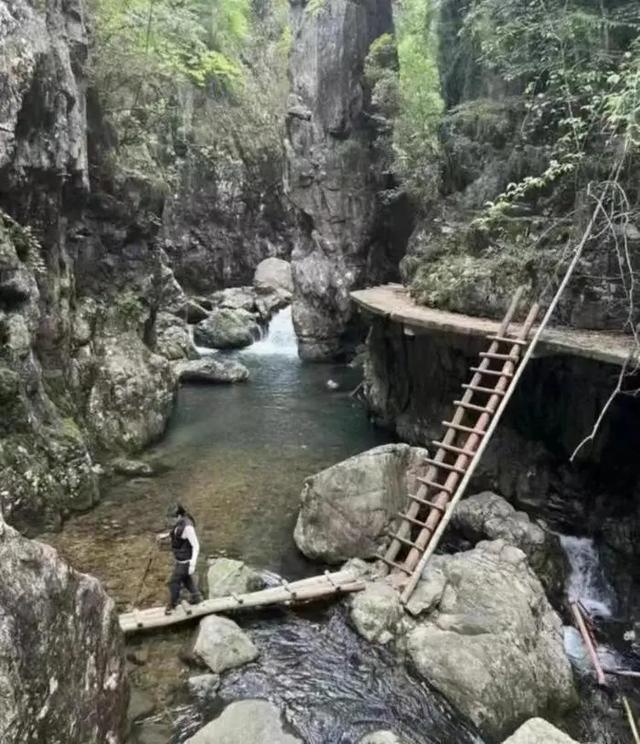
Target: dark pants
(179, 578)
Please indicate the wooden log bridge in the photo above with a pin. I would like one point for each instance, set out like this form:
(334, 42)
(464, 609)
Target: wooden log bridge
(305, 590)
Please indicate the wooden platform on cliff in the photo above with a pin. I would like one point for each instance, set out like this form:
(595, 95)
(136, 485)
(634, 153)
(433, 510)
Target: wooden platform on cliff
(305, 590)
(392, 301)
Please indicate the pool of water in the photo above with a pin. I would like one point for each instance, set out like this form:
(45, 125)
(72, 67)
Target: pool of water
(236, 456)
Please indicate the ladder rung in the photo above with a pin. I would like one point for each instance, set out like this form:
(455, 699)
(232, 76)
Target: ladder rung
(481, 389)
(399, 566)
(426, 502)
(505, 340)
(417, 522)
(496, 355)
(473, 406)
(492, 372)
(461, 427)
(453, 448)
(404, 541)
(444, 465)
(433, 484)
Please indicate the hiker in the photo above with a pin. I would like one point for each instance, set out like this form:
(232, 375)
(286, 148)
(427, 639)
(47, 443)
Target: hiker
(185, 547)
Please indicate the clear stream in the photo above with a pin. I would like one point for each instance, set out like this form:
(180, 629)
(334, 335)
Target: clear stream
(237, 457)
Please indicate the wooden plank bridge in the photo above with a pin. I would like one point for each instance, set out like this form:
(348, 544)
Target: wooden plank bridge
(285, 593)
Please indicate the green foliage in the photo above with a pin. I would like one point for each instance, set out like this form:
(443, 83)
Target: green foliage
(314, 7)
(578, 65)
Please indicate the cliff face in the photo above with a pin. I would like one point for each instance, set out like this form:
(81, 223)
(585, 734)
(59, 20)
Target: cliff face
(79, 289)
(347, 232)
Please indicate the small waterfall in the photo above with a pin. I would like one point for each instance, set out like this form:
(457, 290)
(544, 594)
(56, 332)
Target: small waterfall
(587, 581)
(279, 340)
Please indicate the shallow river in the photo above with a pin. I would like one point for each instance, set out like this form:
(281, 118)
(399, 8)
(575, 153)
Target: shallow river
(236, 457)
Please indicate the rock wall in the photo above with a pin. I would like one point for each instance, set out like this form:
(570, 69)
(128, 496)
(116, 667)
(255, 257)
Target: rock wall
(81, 277)
(349, 226)
(62, 668)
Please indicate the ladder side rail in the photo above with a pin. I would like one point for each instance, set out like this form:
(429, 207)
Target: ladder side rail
(495, 420)
(413, 508)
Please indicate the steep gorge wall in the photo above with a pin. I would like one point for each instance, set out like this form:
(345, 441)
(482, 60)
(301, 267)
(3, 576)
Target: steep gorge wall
(81, 279)
(350, 220)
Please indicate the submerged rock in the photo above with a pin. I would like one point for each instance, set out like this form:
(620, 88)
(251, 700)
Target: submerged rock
(489, 516)
(538, 731)
(227, 329)
(132, 468)
(245, 722)
(492, 644)
(226, 576)
(346, 508)
(220, 644)
(214, 371)
(62, 666)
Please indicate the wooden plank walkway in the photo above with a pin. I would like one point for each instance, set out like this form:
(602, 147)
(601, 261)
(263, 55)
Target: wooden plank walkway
(393, 301)
(305, 590)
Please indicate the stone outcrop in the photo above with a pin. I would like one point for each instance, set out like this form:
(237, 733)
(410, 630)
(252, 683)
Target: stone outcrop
(346, 508)
(273, 276)
(344, 237)
(62, 668)
(491, 643)
(536, 731)
(488, 516)
(227, 329)
(245, 722)
(220, 644)
(213, 371)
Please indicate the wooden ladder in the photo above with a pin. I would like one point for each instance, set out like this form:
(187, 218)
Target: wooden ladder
(458, 452)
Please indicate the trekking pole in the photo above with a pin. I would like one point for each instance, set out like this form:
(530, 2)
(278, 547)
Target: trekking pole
(152, 553)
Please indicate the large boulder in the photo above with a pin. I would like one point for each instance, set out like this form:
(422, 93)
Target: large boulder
(213, 371)
(245, 722)
(346, 508)
(376, 612)
(173, 338)
(226, 576)
(62, 667)
(226, 328)
(220, 644)
(489, 516)
(235, 298)
(273, 276)
(132, 394)
(539, 731)
(492, 643)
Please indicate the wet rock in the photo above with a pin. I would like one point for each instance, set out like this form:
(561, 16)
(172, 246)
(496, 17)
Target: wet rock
(173, 338)
(227, 329)
(235, 298)
(488, 516)
(538, 731)
(273, 276)
(346, 509)
(132, 394)
(204, 685)
(381, 737)
(62, 665)
(132, 468)
(493, 644)
(141, 705)
(220, 644)
(153, 732)
(226, 576)
(210, 370)
(245, 722)
(376, 612)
